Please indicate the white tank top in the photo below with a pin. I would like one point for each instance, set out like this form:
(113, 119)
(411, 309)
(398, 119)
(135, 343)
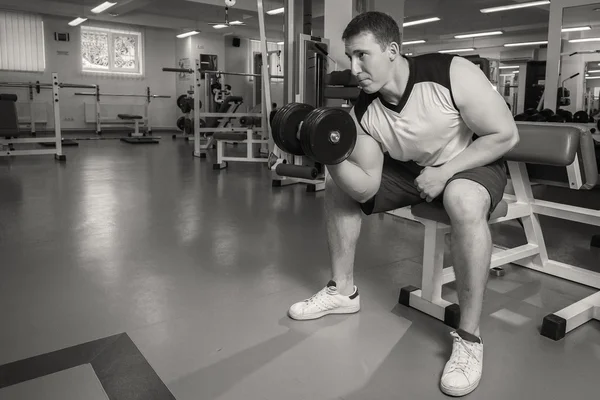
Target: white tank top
(426, 126)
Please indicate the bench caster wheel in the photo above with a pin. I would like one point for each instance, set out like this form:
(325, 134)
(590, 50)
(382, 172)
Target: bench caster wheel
(497, 271)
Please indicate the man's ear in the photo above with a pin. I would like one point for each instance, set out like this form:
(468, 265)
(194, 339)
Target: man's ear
(393, 50)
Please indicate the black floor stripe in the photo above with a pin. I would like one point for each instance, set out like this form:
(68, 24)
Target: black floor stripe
(121, 368)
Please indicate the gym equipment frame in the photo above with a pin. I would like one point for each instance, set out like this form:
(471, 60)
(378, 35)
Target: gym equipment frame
(287, 169)
(145, 121)
(32, 117)
(55, 86)
(565, 145)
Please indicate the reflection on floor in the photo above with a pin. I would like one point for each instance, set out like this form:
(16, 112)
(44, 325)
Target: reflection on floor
(189, 273)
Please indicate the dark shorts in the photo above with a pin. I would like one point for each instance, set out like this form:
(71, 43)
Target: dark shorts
(398, 187)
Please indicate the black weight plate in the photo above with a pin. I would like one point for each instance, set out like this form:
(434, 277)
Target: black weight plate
(189, 126)
(181, 99)
(181, 123)
(316, 132)
(308, 126)
(285, 127)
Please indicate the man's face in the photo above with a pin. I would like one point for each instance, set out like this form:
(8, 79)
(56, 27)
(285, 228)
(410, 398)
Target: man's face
(370, 64)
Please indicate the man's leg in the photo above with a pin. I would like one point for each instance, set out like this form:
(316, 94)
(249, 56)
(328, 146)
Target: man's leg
(343, 217)
(343, 221)
(467, 204)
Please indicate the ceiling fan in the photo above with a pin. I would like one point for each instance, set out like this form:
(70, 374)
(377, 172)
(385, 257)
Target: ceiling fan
(227, 23)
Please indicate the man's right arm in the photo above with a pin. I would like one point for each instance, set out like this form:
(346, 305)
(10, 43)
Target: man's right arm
(360, 174)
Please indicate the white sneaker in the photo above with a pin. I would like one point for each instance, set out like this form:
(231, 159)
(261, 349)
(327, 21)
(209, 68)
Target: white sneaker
(326, 301)
(462, 372)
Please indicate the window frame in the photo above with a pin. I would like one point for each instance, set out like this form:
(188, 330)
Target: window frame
(112, 69)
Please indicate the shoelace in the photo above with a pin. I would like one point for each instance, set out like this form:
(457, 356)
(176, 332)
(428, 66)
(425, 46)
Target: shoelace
(319, 294)
(461, 361)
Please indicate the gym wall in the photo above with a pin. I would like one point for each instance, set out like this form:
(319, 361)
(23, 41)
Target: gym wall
(64, 58)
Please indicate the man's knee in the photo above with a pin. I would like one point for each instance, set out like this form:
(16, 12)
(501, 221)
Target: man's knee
(466, 202)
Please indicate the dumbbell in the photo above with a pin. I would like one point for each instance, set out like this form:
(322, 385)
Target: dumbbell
(326, 135)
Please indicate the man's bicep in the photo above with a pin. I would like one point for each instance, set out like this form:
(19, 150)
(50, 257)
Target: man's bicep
(482, 108)
(367, 152)
(367, 155)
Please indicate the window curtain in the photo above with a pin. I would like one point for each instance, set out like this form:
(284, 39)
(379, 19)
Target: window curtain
(21, 42)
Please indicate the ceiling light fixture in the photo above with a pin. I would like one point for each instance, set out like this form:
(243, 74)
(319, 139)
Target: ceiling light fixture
(219, 26)
(413, 42)
(526, 43)
(191, 33)
(480, 34)
(576, 29)
(276, 11)
(593, 39)
(420, 21)
(456, 50)
(77, 21)
(514, 6)
(102, 7)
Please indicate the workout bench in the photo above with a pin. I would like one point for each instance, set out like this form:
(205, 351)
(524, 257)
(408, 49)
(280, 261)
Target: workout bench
(136, 137)
(547, 152)
(216, 122)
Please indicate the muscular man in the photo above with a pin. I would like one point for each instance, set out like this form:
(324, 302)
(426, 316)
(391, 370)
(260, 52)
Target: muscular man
(416, 118)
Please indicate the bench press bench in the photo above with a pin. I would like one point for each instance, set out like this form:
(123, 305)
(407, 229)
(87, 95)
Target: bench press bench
(546, 151)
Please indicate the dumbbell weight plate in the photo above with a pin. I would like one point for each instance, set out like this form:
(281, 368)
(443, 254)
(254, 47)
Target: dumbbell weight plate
(285, 127)
(328, 135)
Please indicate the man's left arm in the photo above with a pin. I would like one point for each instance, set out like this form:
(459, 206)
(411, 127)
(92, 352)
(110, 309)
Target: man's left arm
(485, 112)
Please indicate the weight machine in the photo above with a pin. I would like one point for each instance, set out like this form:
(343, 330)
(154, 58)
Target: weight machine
(205, 136)
(7, 143)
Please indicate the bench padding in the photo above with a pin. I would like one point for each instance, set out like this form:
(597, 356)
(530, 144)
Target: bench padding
(436, 212)
(546, 143)
(129, 116)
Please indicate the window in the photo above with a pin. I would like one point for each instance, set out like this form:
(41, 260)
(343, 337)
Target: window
(275, 59)
(111, 51)
(21, 42)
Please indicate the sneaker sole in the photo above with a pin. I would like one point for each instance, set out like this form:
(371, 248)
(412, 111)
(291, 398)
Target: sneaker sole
(339, 310)
(459, 392)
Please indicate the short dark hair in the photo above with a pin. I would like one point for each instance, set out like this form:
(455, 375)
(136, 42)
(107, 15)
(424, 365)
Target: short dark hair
(381, 25)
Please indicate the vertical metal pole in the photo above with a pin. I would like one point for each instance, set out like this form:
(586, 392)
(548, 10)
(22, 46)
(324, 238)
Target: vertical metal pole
(98, 126)
(266, 77)
(55, 103)
(31, 110)
(197, 107)
(148, 99)
(288, 53)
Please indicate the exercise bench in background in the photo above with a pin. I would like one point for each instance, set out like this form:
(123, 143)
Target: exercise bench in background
(544, 149)
(136, 137)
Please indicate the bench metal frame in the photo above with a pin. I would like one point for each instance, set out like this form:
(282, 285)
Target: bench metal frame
(533, 255)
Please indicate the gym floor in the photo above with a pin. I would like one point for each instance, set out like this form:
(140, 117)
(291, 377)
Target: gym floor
(139, 272)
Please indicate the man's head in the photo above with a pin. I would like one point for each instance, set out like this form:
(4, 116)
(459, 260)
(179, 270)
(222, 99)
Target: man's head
(372, 41)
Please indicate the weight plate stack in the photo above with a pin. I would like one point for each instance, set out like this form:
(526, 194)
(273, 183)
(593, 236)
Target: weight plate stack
(285, 126)
(328, 135)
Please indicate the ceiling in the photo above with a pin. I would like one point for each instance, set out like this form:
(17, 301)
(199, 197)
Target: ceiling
(457, 16)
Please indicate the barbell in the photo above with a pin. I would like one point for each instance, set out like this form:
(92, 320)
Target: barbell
(326, 135)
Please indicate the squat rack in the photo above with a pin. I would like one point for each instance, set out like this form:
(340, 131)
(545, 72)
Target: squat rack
(55, 86)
